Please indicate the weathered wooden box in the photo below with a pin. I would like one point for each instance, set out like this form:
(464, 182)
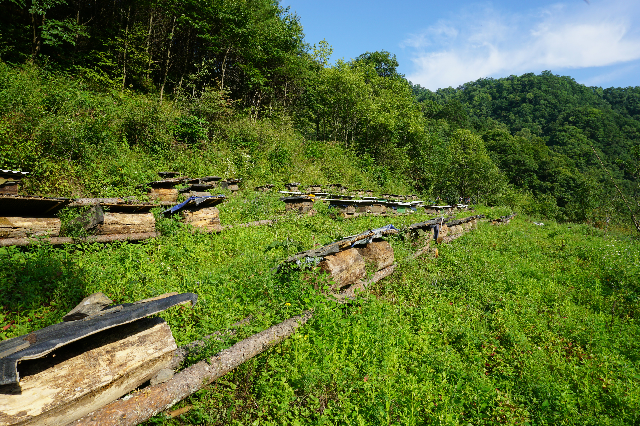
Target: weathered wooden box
(58, 374)
(264, 188)
(299, 204)
(232, 185)
(83, 376)
(10, 181)
(207, 218)
(292, 187)
(199, 212)
(165, 190)
(24, 216)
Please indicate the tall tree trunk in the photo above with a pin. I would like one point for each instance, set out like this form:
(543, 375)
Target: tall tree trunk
(224, 61)
(148, 51)
(126, 47)
(166, 64)
(186, 60)
(36, 44)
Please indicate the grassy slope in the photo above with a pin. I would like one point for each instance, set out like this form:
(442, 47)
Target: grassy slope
(510, 324)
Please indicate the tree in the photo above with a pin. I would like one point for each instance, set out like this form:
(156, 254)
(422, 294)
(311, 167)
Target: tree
(384, 63)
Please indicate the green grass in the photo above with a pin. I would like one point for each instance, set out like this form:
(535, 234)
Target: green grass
(514, 324)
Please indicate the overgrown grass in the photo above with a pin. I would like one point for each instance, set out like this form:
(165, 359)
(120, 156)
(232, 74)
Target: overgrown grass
(515, 324)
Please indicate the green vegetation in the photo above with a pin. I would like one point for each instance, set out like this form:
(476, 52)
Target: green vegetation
(516, 324)
(513, 324)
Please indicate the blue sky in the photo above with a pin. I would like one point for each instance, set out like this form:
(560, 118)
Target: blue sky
(441, 44)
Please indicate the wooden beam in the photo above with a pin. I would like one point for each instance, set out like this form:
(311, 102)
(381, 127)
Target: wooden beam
(5, 242)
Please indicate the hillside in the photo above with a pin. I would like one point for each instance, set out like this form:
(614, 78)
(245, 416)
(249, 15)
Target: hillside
(541, 131)
(532, 322)
(509, 324)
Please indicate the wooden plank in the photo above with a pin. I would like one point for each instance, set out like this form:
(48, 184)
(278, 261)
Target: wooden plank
(6, 242)
(86, 375)
(126, 223)
(21, 227)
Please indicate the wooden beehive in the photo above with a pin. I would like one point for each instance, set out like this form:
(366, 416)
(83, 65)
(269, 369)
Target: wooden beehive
(345, 267)
(165, 190)
(21, 227)
(163, 194)
(126, 223)
(99, 353)
(10, 180)
(81, 377)
(207, 218)
(23, 216)
(379, 253)
(299, 204)
(292, 187)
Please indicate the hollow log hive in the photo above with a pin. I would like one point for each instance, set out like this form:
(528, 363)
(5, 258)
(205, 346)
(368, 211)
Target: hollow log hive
(58, 374)
(24, 216)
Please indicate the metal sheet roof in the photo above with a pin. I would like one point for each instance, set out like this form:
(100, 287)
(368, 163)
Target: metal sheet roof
(41, 342)
(13, 173)
(29, 206)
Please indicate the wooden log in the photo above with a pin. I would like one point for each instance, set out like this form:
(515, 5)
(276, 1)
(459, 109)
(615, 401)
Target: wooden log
(126, 223)
(21, 227)
(361, 286)
(154, 399)
(163, 194)
(380, 253)
(86, 375)
(345, 267)
(207, 219)
(21, 242)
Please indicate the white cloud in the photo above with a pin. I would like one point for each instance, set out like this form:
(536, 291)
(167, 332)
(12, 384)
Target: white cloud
(487, 43)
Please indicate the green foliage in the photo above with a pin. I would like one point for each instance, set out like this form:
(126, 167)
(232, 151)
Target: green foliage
(541, 130)
(191, 130)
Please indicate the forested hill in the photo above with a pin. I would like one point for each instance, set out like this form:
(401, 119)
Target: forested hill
(97, 97)
(540, 129)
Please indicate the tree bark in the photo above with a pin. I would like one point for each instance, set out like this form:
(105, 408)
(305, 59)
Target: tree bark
(167, 61)
(124, 55)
